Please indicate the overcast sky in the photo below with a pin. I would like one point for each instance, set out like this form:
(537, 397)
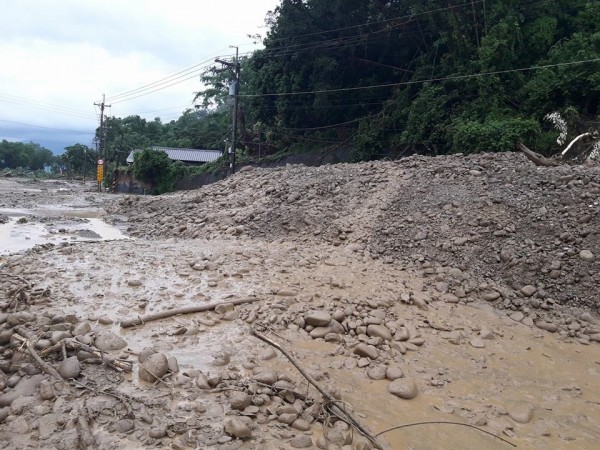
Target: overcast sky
(59, 56)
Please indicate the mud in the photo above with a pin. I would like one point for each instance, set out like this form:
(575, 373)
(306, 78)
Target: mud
(474, 362)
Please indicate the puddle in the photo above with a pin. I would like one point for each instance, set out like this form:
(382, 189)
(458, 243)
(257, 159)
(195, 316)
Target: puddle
(23, 229)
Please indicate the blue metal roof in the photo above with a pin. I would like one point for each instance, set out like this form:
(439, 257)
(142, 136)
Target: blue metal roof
(184, 154)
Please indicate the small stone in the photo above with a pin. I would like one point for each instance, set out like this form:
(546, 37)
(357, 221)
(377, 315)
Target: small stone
(301, 441)
(154, 367)
(239, 400)
(393, 373)
(486, 334)
(491, 296)
(586, 255)
(301, 425)
(477, 342)
(124, 425)
(521, 413)
(46, 390)
(528, 290)
(202, 381)
(377, 373)
(108, 341)
(267, 354)
(379, 331)
(134, 282)
(333, 327)
(105, 320)
(82, 328)
(237, 428)
(551, 327)
(287, 418)
(517, 316)
(69, 368)
(158, 432)
(318, 318)
(366, 350)
(450, 298)
(404, 388)
(266, 377)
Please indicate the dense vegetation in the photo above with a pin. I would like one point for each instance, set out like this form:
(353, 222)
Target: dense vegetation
(386, 78)
(23, 155)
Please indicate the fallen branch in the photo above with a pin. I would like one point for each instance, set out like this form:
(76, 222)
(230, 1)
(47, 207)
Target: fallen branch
(444, 422)
(340, 411)
(87, 439)
(186, 310)
(72, 344)
(110, 360)
(18, 277)
(26, 341)
(564, 152)
(536, 158)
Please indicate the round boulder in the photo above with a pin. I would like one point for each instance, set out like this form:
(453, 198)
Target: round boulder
(403, 388)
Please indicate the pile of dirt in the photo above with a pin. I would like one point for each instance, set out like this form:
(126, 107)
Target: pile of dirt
(523, 237)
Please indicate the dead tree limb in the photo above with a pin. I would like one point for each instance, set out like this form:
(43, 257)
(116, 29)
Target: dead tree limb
(18, 277)
(26, 341)
(339, 410)
(87, 439)
(565, 151)
(186, 310)
(536, 158)
(110, 360)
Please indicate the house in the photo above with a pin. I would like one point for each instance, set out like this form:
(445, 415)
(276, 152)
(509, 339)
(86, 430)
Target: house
(186, 155)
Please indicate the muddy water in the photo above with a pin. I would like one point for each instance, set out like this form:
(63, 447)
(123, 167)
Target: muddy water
(27, 228)
(559, 380)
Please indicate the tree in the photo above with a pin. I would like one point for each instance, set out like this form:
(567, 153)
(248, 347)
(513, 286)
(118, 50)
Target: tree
(25, 155)
(79, 159)
(155, 168)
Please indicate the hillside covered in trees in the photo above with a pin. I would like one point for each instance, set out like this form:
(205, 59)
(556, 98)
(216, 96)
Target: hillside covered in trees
(387, 78)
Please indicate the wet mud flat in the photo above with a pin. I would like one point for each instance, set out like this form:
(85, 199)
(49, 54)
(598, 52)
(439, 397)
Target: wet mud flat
(387, 340)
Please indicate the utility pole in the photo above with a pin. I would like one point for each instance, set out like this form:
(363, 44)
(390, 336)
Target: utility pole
(102, 140)
(234, 91)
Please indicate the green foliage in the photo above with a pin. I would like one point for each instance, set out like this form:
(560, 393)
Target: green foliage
(24, 155)
(155, 168)
(78, 159)
(493, 135)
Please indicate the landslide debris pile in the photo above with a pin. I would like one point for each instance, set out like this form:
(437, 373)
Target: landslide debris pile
(523, 236)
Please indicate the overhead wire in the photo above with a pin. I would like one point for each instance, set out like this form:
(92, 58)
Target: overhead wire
(23, 102)
(46, 128)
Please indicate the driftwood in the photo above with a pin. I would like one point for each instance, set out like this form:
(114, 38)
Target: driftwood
(72, 344)
(27, 342)
(186, 310)
(87, 438)
(338, 410)
(536, 158)
(565, 151)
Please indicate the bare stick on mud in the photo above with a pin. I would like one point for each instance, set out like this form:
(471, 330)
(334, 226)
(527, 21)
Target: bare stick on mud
(87, 439)
(29, 346)
(186, 310)
(326, 395)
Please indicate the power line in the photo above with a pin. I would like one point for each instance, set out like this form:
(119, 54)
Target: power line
(430, 80)
(4, 98)
(46, 128)
(165, 80)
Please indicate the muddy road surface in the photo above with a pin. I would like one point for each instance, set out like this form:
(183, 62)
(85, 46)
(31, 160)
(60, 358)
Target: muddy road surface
(440, 314)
